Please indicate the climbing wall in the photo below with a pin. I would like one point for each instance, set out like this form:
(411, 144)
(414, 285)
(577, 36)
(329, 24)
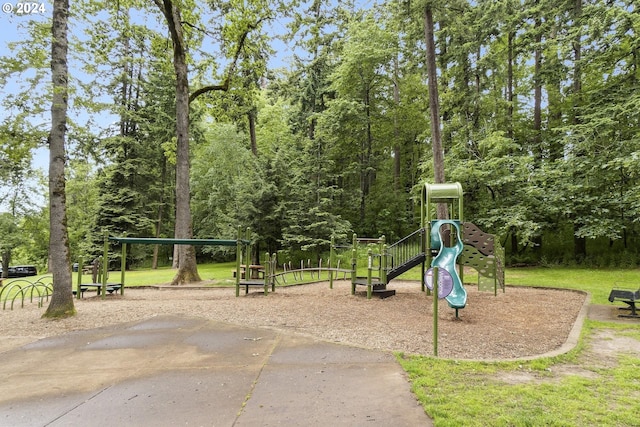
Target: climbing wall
(483, 253)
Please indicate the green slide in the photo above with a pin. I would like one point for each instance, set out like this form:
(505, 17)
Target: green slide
(446, 259)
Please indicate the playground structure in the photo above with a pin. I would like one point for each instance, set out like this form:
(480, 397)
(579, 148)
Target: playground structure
(434, 243)
(266, 275)
(471, 246)
(241, 244)
(22, 289)
(246, 274)
(444, 263)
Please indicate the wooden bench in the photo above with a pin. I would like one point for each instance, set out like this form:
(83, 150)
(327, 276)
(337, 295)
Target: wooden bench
(628, 297)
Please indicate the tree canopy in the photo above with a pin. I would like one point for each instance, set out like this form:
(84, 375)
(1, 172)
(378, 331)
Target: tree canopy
(535, 115)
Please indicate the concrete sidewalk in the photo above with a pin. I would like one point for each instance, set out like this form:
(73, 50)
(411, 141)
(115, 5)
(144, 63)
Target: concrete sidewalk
(173, 370)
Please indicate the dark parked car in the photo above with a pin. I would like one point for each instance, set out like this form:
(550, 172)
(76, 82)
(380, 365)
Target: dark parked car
(21, 271)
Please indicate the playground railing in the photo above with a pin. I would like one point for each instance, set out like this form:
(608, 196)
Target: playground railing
(406, 249)
(313, 273)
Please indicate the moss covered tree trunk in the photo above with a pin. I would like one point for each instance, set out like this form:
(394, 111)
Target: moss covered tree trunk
(61, 304)
(186, 254)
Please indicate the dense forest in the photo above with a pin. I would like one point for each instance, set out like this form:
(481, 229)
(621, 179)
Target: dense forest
(537, 101)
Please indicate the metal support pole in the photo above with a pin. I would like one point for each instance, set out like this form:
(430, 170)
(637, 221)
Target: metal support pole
(435, 311)
(331, 255)
(382, 275)
(105, 264)
(238, 260)
(267, 273)
(123, 267)
(354, 264)
(369, 273)
(383, 265)
(78, 287)
(247, 254)
(274, 267)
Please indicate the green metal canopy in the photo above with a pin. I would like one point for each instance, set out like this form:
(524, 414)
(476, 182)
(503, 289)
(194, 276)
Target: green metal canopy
(450, 193)
(168, 241)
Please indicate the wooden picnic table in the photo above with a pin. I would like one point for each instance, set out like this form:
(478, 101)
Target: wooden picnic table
(256, 271)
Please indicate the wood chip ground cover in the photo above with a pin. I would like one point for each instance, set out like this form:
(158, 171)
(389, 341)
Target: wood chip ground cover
(522, 322)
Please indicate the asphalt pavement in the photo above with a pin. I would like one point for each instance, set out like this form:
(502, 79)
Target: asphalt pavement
(184, 371)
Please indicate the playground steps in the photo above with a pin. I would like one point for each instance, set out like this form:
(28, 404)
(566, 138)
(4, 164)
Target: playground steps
(384, 293)
(378, 289)
(408, 265)
(260, 283)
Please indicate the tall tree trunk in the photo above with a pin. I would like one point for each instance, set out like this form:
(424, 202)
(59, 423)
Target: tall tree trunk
(510, 97)
(6, 262)
(537, 93)
(580, 243)
(434, 106)
(396, 127)
(187, 267)
(251, 115)
(537, 110)
(366, 175)
(61, 304)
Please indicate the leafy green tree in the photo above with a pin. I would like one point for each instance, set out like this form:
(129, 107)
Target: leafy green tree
(306, 211)
(34, 229)
(172, 12)
(362, 83)
(227, 185)
(24, 94)
(129, 156)
(9, 239)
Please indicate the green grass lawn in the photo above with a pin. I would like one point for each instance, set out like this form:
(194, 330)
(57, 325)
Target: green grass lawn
(597, 282)
(460, 393)
(219, 274)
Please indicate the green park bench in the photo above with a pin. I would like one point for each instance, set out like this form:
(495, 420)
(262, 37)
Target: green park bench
(627, 296)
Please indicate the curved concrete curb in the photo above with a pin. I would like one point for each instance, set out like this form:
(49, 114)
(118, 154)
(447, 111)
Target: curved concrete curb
(574, 334)
(572, 338)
